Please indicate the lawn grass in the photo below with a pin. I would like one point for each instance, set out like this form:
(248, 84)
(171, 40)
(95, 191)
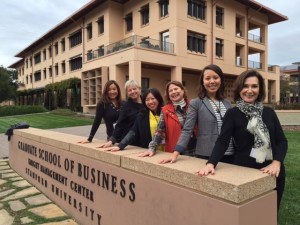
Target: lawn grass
(290, 206)
(44, 121)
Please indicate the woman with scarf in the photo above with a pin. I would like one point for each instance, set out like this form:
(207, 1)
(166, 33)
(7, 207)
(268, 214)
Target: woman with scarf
(259, 138)
(146, 122)
(171, 119)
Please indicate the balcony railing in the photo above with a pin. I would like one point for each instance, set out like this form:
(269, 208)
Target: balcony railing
(255, 38)
(254, 65)
(136, 41)
(271, 68)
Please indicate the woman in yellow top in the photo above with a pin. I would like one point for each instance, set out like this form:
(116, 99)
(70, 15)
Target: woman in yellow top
(145, 124)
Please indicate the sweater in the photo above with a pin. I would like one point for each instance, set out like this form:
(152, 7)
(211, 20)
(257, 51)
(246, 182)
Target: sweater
(128, 114)
(139, 133)
(110, 115)
(235, 125)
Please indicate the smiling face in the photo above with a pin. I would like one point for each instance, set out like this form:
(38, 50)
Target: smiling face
(133, 92)
(211, 82)
(175, 93)
(250, 90)
(113, 92)
(151, 102)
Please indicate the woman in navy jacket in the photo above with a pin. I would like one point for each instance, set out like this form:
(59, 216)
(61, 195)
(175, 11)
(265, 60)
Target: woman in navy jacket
(146, 122)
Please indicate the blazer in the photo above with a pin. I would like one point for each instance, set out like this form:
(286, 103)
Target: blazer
(200, 113)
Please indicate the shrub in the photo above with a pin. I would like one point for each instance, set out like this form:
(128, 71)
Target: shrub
(65, 112)
(291, 106)
(20, 110)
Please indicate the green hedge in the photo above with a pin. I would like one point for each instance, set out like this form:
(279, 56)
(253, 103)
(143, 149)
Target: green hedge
(20, 110)
(291, 106)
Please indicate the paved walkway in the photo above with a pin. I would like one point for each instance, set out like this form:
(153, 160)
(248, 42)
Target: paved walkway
(21, 203)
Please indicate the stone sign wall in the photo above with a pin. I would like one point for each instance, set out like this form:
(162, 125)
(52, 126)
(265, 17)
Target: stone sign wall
(104, 188)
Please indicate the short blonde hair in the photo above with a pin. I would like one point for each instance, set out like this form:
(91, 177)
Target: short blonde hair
(132, 83)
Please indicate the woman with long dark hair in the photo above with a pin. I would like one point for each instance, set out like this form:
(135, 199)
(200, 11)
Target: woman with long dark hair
(107, 108)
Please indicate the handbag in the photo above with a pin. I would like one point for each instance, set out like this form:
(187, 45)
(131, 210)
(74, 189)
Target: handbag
(20, 125)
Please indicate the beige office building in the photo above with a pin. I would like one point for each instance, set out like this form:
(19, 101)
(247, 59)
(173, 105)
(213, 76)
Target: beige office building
(153, 42)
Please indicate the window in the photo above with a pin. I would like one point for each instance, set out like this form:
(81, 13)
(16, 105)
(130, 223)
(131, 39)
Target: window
(30, 62)
(219, 48)
(75, 39)
(76, 63)
(56, 69)
(219, 16)
(30, 77)
(50, 71)
(101, 50)
(196, 42)
(145, 84)
(37, 58)
(100, 22)
(196, 8)
(128, 21)
(63, 44)
(37, 76)
(56, 48)
(165, 38)
(145, 14)
(50, 51)
(89, 31)
(89, 55)
(163, 7)
(45, 73)
(44, 54)
(63, 66)
(26, 63)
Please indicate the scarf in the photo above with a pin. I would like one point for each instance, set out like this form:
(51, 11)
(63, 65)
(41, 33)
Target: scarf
(258, 128)
(181, 103)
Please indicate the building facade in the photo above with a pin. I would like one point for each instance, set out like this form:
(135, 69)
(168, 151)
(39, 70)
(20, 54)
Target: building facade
(290, 75)
(153, 42)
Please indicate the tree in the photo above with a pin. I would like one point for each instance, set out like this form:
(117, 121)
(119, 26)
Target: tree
(8, 85)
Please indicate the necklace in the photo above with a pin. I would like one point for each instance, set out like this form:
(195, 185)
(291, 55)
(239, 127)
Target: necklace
(218, 109)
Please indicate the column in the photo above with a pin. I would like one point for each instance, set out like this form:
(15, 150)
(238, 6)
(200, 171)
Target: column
(176, 73)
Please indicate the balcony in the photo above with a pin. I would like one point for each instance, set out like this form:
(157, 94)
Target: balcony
(134, 41)
(255, 38)
(254, 65)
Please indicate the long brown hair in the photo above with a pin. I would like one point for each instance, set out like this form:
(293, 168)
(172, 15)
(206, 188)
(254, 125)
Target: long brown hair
(105, 96)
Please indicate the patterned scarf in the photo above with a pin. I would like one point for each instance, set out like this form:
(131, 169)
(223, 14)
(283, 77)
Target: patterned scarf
(257, 127)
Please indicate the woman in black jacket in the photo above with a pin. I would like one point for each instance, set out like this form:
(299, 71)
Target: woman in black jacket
(107, 108)
(128, 113)
(146, 123)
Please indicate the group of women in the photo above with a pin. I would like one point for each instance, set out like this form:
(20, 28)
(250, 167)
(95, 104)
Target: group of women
(206, 127)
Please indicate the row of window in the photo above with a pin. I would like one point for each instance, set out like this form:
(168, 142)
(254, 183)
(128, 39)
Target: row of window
(74, 63)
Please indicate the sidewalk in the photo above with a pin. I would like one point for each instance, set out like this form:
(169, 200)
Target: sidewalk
(21, 203)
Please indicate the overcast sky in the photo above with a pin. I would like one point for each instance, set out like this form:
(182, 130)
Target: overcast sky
(24, 21)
